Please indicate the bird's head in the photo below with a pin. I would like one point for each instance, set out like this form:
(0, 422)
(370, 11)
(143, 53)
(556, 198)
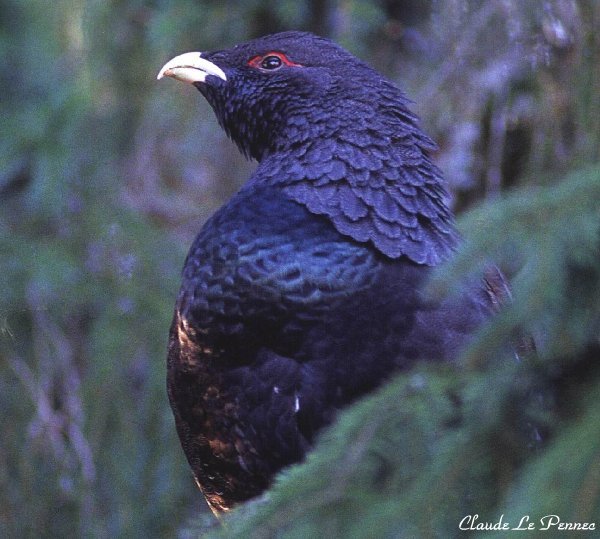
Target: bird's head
(266, 90)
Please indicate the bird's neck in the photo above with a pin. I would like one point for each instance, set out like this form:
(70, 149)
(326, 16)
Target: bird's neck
(376, 188)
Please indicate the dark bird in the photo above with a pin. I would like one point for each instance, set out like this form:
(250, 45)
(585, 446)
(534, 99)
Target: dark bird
(305, 290)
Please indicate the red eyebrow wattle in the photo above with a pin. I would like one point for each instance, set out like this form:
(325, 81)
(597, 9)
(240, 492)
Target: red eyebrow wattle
(256, 60)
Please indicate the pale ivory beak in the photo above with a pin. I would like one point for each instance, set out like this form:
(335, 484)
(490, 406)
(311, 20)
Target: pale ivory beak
(190, 67)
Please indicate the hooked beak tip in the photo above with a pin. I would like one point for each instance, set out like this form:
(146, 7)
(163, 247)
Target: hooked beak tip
(190, 67)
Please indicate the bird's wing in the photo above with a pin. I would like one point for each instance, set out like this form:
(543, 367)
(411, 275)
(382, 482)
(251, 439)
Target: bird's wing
(264, 261)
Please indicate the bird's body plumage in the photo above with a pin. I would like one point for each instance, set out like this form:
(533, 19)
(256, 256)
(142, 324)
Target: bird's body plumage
(305, 291)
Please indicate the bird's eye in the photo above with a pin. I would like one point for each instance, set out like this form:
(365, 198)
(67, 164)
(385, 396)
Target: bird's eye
(271, 62)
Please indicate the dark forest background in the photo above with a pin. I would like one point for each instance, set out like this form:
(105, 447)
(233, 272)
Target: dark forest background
(106, 175)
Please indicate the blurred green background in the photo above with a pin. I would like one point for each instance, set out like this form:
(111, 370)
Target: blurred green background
(106, 175)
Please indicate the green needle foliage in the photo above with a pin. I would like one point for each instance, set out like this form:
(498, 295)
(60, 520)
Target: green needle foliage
(554, 233)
